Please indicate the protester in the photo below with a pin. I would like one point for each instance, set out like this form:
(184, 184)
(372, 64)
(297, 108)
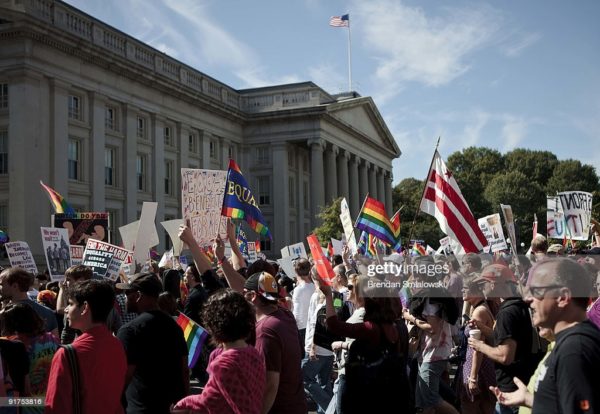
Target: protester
(236, 370)
(100, 356)
(14, 284)
(157, 373)
(73, 275)
(301, 296)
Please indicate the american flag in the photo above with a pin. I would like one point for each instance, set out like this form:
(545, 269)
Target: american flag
(340, 21)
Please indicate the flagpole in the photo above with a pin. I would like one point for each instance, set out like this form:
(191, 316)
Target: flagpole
(349, 57)
(412, 228)
(361, 210)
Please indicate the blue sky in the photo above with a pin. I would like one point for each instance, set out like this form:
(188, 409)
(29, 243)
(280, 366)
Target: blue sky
(502, 74)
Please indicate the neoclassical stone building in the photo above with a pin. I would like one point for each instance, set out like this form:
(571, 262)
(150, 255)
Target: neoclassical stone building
(108, 121)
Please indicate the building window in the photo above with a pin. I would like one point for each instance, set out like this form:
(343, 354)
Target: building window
(168, 177)
(263, 185)
(114, 223)
(74, 153)
(213, 149)
(3, 217)
(305, 195)
(74, 107)
(141, 169)
(292, 191)
(265, 245)
(168, 134)
(193, 144)
(110, 119)
(3, 95)
(262, 155)
(3, 152)
(141, 127)
(109, 166)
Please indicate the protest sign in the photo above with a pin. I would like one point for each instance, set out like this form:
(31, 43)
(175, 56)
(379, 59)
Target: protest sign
(348, 226)
(83, 226)
(202, 193)
(146, 233)
(555, 219)
(172, 228)
(338, 246)
(287, 264)
(324, 268)
(445, 248)
(167, 259)
(298, 250)
(76, 254)
(252, 255)
(20, 255)
(57, 251)
(510, 226)
(105, 259)
(577, 209)
(285, 252)
(491, 227)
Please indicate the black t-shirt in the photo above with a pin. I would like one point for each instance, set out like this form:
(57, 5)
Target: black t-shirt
(154, 343)
(195, 300)
(513, 322)
(569, 381)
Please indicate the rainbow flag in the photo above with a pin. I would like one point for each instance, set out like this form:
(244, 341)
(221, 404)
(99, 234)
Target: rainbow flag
(374, 220)
(396, 225)
(373, 241)
(239, 202)
(418, 250)
(194, 336)
(58, 201)
(361, 246)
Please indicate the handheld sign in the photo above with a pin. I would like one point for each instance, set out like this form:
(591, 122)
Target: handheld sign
(323, 266)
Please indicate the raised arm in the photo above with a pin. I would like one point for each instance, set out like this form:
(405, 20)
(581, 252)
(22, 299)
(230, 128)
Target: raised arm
(202, 262)
(236, 281)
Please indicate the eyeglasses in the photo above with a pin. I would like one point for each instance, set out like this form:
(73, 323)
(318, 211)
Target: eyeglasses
(539, 292)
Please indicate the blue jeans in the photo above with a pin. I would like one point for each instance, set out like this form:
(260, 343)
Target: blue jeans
(504, 409)
(317, 380)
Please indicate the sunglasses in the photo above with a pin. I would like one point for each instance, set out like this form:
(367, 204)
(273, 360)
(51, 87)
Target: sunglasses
(538, 292)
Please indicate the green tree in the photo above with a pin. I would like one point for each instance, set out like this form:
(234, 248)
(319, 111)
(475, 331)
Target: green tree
(331, 225)
(571, 175)
(537, 165)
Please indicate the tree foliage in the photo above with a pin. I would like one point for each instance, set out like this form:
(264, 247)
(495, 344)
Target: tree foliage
(331, 225)
(521, 178)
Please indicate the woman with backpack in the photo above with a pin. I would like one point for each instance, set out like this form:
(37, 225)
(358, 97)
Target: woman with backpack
(375, 368)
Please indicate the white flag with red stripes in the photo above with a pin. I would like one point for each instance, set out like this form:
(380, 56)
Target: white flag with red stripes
(444, 201)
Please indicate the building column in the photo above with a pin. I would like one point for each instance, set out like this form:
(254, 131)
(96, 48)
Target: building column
(354, 186)
(205, 138)
(380, 187)
(342, 174)
(316, 178)
(59, 137)
(300, 196)
(281, 206)
(224, 144)
(158, 170)
(183, 136)
(388, 193)
(96, 152)
(331, 190)
(372, 182)
(130, 161)
(363, 181)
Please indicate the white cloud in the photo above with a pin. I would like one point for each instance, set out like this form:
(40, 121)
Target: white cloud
(513, 132)
(329, 77)
(411, 46)
(523, 42)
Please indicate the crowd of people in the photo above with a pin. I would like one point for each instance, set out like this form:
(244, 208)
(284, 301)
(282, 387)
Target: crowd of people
(487, 334)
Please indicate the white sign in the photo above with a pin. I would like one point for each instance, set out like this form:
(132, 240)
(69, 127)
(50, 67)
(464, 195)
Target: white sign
(76, 254)
(555, 219)
(348, 226)
(146, 233)
(286, 263)
(285, 252)
(298, 250)
(577, 208)
(445, 248)
(338, 246)
(172, 227)
(202, 193)
(491, 227)
(57, 251)
(19, 255)
(167, 259)
(252, 255)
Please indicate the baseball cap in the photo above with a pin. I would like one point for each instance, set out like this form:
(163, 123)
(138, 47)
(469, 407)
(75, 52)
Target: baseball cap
(264, 284)
(495, 273)
(147, 283)
(556, 248)
(394, 257)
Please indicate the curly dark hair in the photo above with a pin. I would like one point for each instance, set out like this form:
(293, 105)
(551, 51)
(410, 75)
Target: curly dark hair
(21, 318)
(228, 316)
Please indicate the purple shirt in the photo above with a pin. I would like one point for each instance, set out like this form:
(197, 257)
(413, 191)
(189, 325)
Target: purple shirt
(594, 313)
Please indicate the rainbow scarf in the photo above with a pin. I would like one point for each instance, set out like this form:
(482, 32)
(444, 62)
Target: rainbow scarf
(194, 336)
(60, 204)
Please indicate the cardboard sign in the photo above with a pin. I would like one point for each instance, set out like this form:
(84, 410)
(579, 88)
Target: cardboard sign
(445, 248)
(491, 227)
(510, 226)
(167, 259)
(555, 219)
(577, 209)
(105, 259)
(338, 246)
(19, 255)
(57, 251)
(83, 226)
(323, 265)
(287, 264)
(285, 252)
(172, 228)
(202, 193)
(348, 226)
(146, 234)
(298, 250)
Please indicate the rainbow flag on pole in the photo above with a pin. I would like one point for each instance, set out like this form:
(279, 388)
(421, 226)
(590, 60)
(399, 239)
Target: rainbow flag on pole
(58, 201)
(374, 220)
(194, 336)
(239, 202)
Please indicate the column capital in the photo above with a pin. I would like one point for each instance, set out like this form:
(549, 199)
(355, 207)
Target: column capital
(334, 149)
(317, 141)
(344, 154)
(387, 174)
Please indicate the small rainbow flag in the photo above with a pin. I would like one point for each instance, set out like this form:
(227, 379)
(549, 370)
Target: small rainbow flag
(194, 336)
(372, 245)
(58, 201)
(418, 250)
(396, 225)
(374, 220)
